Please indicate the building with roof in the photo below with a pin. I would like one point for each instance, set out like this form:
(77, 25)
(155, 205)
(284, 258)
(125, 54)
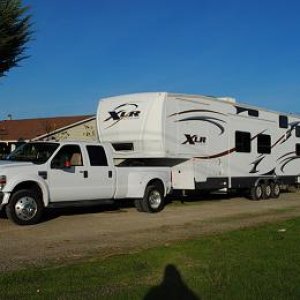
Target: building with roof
(14, 132)
(84, 130)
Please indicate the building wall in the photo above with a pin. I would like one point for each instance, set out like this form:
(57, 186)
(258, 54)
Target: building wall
(83, 132)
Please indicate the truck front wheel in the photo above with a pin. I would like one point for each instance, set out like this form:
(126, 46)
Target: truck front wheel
(153, 200)
(25, 207)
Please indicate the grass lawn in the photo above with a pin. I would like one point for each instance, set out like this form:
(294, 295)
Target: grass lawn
(256, 263)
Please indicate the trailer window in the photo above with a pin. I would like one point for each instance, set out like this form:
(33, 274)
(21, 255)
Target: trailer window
(264, 144)
(97, 156)
(253, 113)
(123, 146)
(283, 122)
(297, 131)
(298, 149)
(242, 141)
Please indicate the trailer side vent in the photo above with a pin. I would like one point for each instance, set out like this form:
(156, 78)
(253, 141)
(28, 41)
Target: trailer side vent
(123, 147)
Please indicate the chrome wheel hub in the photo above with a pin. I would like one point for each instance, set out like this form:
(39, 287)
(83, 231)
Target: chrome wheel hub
(258, 192)
(268, 191)
(154, 199)
(277, 190)
(26, 208)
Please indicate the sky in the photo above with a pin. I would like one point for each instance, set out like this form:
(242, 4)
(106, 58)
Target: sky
(83, 51)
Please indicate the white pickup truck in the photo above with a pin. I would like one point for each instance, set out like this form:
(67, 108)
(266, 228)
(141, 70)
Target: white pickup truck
(41, 175)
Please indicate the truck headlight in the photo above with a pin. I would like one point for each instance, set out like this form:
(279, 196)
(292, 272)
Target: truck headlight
(2, 181)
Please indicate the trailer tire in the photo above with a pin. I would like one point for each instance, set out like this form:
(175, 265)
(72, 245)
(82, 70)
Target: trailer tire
(256, 192)
(275, 190)
(153, 200)
(25, 207)
(267, 191)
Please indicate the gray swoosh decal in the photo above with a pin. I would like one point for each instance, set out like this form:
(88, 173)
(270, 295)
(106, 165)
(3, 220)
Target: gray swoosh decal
(206, 119)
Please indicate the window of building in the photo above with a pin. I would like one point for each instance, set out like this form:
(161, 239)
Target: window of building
(97, 156)
(242, 141)
(283, 122)
(264, 144)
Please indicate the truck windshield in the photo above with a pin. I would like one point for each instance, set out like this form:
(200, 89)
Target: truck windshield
(37, 153)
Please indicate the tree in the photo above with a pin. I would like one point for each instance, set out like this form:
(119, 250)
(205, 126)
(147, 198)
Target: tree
(15, 32)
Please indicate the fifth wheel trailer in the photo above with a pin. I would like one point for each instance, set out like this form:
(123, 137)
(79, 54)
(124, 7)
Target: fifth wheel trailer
(210, 143)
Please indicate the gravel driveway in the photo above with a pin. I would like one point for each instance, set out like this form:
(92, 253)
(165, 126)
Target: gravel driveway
(74, 234)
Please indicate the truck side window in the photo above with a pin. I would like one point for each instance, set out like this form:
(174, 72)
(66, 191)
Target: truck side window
(97, 156)
(242, 141)
(67, 156)
(264, 144)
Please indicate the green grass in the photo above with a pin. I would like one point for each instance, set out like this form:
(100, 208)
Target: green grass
(257, 263)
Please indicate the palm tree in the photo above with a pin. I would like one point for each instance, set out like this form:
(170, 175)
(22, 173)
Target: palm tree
(15, 32)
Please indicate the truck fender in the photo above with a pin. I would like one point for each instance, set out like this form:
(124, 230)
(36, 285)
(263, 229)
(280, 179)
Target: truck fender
(17, 180)
(138, 182)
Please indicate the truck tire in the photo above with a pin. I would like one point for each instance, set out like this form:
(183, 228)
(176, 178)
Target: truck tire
(275, 190)
(25, 207)
(256, 192)
(138, 205)
(2, 214)
(153, 200)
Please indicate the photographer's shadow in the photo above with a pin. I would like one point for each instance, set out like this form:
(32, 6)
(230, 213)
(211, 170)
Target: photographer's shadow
(172, 287)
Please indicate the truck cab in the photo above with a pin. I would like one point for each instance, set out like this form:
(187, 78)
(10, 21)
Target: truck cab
(51, 174)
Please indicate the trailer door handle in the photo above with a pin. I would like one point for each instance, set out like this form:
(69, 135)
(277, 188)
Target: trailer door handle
(85, 174)
(109, 174)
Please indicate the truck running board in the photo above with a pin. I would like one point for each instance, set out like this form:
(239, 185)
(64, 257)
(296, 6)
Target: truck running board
(80, 203)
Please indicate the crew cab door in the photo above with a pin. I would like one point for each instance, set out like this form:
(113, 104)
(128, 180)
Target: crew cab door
(71, 178)
(101, 175)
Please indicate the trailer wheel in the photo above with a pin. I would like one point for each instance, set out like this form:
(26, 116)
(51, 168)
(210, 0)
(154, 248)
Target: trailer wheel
(266, 191)
(256, 192)
(153, 200)
(25, 207)
(275, 190)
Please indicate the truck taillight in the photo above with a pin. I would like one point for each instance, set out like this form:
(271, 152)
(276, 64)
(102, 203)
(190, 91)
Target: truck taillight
(2, 181)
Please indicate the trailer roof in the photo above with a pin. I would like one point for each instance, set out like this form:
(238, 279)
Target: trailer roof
(233, 101)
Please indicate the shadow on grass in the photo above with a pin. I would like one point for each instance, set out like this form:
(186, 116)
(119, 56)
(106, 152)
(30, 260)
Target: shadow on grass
(172, 287)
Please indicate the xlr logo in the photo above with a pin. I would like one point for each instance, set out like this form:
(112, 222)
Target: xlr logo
(194, 139)
(123, 111)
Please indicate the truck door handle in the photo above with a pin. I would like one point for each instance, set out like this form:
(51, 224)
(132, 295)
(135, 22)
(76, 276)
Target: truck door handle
(85, 174)
(109, 174)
